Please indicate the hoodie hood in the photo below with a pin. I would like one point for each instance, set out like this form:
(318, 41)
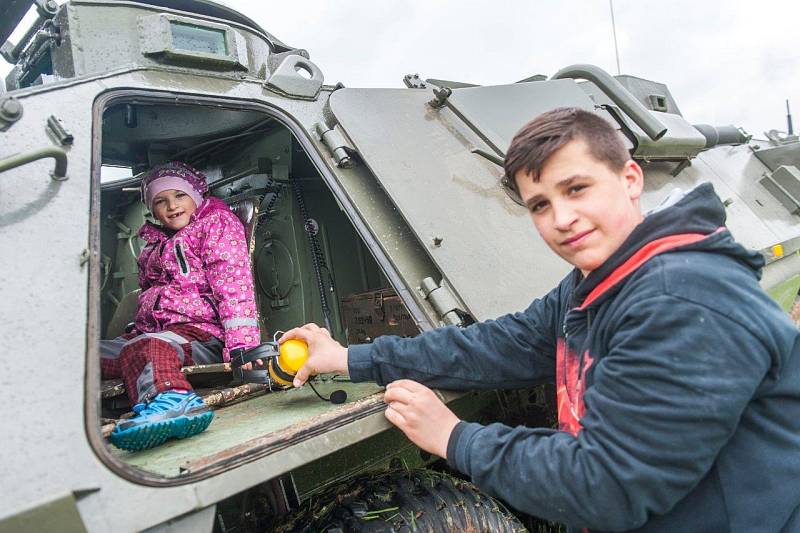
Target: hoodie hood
(695, 222)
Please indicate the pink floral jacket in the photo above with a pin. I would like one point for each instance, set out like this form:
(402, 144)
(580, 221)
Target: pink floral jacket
(199, 276)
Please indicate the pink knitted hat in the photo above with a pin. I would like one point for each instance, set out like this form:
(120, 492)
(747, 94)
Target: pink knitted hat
(173, 175)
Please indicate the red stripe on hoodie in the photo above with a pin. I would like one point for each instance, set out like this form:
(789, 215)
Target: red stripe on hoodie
(644, 254)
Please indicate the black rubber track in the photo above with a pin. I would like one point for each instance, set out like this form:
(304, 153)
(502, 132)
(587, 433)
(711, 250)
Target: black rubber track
(415, 501)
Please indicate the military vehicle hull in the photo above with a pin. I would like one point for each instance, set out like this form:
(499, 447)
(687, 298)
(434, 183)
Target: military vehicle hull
(405, 192)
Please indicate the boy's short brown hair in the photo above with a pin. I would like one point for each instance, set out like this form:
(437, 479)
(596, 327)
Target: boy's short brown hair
(541, 137)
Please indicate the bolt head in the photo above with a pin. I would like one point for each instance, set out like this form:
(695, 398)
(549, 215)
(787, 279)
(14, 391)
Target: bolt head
(10, 109)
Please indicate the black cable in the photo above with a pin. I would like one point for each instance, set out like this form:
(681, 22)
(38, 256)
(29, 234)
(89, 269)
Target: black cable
(338, 396)
(320, 396)
(317, 257)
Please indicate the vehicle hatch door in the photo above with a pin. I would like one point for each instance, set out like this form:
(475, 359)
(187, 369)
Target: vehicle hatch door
(450, 196)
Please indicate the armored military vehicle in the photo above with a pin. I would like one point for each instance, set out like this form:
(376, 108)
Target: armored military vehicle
(372, 211)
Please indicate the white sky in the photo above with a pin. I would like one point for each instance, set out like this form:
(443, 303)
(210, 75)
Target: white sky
(725, 62)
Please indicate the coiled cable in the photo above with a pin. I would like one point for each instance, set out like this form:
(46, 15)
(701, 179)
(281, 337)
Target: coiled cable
(317, 257)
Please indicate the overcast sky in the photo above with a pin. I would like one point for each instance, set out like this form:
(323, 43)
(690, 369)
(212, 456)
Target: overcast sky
(725, 62)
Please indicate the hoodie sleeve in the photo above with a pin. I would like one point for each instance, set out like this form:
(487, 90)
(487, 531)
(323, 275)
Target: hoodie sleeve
(226, 261)
(665, 399)
(515, 350)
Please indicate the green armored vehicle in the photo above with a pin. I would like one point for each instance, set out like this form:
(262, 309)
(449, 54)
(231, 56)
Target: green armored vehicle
(374, 211)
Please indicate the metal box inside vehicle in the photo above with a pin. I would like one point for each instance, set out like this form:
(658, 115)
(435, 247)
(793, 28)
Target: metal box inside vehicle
(368, 315)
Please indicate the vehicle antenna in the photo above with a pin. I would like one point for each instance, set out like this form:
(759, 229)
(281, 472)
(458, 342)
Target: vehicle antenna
(614, 31)
(789, 127)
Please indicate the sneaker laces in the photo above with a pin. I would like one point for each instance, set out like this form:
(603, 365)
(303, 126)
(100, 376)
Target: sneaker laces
(169, 401)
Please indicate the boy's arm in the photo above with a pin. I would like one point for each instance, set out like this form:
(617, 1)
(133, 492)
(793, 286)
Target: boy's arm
(226, 260)
(515, 350)
(665, 400)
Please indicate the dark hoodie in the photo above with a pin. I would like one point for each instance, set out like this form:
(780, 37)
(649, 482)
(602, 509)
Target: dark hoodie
(678, 385)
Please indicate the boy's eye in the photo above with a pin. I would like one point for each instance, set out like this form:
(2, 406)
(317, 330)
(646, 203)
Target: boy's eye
(538, 206)
(576, 188)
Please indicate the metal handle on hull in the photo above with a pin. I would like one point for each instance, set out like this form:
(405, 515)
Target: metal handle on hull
(59, 173)
(618, 94)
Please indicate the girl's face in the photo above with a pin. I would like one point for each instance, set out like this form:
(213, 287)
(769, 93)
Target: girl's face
(173, 208)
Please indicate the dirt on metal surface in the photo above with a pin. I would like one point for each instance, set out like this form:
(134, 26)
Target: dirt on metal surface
(258, 424)
(291, 433)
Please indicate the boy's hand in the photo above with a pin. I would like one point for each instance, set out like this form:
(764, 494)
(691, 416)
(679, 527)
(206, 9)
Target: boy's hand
(324, 353)
(421, 415)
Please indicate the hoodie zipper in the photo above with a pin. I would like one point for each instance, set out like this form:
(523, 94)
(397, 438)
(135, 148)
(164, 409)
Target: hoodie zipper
(583, 352)
(581, 356)
(579, 384)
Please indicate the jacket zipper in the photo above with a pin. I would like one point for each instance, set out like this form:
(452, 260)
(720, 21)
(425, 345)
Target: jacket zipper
(581, 361)
(156, 307)
(581, 358)
(213, 307)
(181, 258)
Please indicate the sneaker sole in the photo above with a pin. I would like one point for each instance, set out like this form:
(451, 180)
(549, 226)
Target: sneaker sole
(156, 433)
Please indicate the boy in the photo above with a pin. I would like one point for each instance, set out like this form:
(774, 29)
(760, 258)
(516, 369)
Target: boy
(678, 379)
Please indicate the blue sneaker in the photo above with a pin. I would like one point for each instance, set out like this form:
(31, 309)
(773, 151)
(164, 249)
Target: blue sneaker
(169, 414)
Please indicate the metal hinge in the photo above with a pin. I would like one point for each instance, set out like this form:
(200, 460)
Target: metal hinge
(338, 145)
(440, 97)
(413, 81)
(443, 302)
(84, 258)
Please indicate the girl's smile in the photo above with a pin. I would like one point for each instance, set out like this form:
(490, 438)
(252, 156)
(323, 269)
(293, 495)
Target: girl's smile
(173, 208)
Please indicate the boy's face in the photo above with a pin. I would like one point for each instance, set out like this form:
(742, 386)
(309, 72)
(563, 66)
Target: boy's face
(173, 208)
(581, 208)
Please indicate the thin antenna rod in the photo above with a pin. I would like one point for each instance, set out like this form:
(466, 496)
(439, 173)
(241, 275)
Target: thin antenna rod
(789, 119)
(614, 30)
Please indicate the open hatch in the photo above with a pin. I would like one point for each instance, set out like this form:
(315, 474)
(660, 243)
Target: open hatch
(309, 265)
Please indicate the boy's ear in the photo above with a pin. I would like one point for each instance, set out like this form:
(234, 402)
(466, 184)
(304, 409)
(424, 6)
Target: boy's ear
(633, 175)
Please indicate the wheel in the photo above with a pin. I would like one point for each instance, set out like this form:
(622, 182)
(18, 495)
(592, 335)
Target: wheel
(419, 500)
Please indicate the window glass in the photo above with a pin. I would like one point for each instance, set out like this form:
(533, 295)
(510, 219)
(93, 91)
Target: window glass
(197, 39)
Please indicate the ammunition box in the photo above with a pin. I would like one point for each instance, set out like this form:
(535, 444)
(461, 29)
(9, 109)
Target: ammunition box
(370, 314)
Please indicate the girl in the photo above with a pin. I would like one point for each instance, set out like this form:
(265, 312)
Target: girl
(197, 304)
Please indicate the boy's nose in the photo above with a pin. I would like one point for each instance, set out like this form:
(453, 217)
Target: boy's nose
(563, 217)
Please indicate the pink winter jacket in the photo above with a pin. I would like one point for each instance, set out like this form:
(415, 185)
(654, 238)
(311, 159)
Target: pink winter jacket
(199, 276)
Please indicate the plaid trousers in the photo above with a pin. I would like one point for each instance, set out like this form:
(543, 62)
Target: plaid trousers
(150, 363)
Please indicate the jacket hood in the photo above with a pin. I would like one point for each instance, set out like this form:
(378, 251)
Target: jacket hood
(150, 232)
(695, 222)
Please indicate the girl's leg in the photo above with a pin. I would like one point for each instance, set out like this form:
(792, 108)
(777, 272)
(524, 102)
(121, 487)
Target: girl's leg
(110, 351)
(165, 406)
(150, 363)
